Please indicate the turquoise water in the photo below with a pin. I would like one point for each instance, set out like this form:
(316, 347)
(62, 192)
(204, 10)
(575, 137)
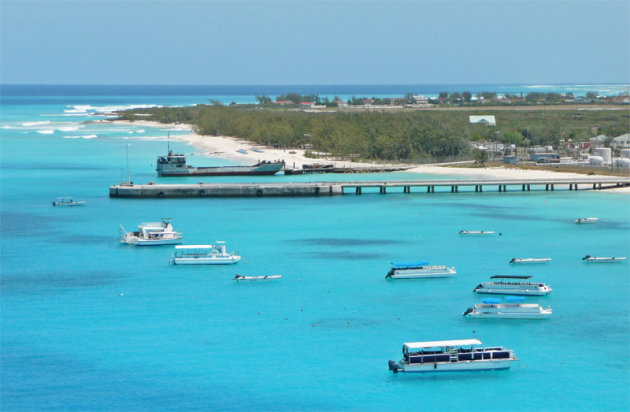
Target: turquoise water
(89, 324)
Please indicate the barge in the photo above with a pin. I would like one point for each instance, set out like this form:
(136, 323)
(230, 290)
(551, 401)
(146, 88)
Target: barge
(175, 165)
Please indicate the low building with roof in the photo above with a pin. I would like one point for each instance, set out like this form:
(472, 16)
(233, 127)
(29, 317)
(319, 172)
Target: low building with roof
(486, 120)
(621, 142)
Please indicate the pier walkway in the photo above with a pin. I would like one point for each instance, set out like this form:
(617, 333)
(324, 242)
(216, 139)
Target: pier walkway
(295, 189)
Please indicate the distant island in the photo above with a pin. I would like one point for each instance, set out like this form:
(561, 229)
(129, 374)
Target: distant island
(417, 132)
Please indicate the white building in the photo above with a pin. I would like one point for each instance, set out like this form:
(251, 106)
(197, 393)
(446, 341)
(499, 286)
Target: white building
(621, 142)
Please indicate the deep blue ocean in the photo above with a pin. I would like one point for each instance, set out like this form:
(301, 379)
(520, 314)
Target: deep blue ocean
(89, 324)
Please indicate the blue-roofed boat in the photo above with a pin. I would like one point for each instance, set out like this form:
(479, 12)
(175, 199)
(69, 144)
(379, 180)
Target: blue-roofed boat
(452, 356)
(413, 270)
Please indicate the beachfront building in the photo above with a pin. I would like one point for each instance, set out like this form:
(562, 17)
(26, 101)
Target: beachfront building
(485, 120)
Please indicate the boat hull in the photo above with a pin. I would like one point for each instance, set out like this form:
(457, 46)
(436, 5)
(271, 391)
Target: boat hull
(262, 170)
(254, 278)
(504, 315)
(530, 261)
(606, 260)
(137, 242)
(461, 366)
(422, 275)
(525, 292)
(206, 261)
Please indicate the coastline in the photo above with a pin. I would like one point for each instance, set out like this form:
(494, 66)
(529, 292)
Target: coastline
(226, 147)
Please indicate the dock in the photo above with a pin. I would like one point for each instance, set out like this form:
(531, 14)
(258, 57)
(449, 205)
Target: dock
(297, 189)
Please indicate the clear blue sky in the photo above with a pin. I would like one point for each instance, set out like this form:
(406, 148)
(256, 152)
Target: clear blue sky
(314, 42)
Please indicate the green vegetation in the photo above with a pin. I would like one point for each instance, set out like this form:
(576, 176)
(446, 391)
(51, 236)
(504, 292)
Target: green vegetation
(405, 135)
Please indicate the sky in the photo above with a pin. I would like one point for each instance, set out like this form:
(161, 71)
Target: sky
(314, 42)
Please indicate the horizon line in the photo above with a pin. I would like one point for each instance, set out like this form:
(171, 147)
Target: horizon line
(320, 84)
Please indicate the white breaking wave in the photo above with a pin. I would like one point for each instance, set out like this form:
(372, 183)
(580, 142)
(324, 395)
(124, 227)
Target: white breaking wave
(89, 109)
(6, 126)
(28, 124)
(45, 131)
(69, 128)
(140, 131)
(89, 136)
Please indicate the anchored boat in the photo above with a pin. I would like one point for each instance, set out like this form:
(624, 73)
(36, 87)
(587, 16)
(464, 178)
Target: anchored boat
(529, 260)
(266, 277)
(173, 165)
(495, 308)
(476, 232)
(586, 220)
(610, 259)
(203, 255)
(513, 288)
(413, 270)
(151, 234)
(67, 201)
(451, 355)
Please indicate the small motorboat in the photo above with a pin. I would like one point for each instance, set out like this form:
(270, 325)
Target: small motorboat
(529, 260)
(476, 232)
(265, 277)
(610, 259)
(586, 220)
(67, 201)
(151, 234)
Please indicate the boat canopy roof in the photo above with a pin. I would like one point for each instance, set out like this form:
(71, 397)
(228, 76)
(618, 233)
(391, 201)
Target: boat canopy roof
(514, 298)
(509, 277)
(193, 247)
(440, 343)
(408, 264)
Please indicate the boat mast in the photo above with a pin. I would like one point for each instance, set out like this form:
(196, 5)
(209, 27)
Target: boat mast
(128, 176)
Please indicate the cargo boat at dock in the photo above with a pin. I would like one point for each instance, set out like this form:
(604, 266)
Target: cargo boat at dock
(175, 165)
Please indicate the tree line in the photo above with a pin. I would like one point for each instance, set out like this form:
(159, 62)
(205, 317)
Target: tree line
(394, 136)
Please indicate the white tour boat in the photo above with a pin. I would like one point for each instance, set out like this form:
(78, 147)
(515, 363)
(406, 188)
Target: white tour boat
(495, 308)
(267, 277)
(151, 234)
(585, 220)
(204, 255)
(451, 355)
(415, 270)
(67, 201)
(530, 260)
(603, 259)
(513, 288)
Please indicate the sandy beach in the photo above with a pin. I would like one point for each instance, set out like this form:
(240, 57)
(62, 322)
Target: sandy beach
(227, 148)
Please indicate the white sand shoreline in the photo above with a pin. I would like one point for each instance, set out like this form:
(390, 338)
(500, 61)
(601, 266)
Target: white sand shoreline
(226, 147)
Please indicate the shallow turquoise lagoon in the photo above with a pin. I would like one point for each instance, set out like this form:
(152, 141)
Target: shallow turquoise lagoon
(90, 324)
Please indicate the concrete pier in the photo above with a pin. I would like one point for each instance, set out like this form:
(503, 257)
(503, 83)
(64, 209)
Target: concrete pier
(295, 189)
